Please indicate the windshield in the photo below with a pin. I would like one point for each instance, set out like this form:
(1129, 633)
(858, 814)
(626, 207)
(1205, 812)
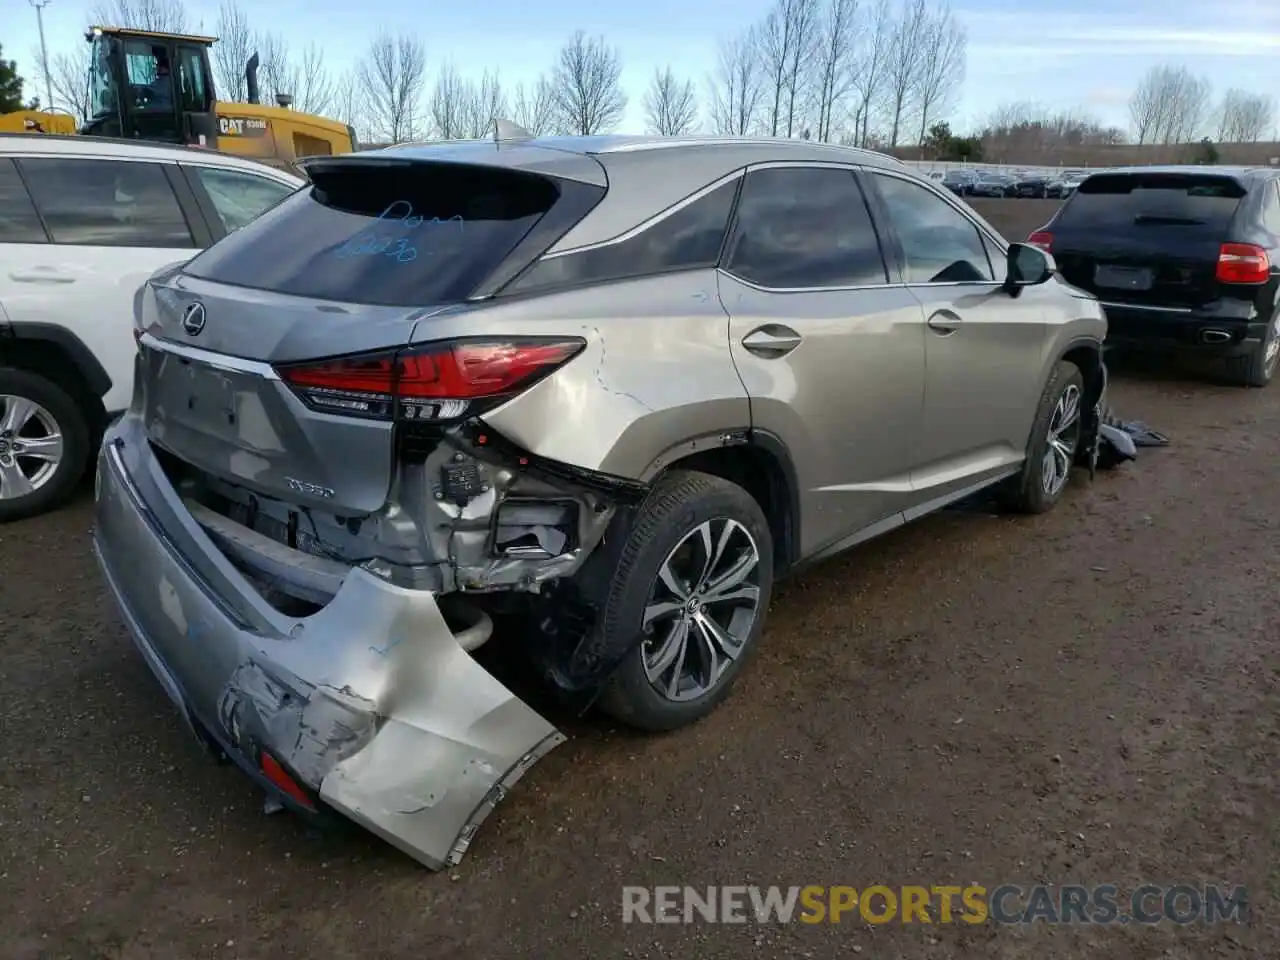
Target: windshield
(102, 88)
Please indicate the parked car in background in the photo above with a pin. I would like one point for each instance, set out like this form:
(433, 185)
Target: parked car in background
(1183, 258)
(449, 379)
(960, 182)
(993, 185)
(1065, 184)
(1032, 185)
(83, 222)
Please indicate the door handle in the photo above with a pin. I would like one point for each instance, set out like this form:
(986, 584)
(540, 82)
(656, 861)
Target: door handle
(771, 341)
(944, 323)
(40, 276)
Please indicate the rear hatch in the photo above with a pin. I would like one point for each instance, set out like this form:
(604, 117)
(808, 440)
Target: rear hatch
(335, 278)
(1146, 238)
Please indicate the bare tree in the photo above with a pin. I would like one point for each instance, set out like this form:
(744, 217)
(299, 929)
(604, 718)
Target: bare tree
(736, 86)
(165, 16)
(68, 79)
(1243, 117)
(871, 68)
(391, 77)
(313, 87)
(833, 65)
(906, 58)
(276, 72)
(942, 65)
(1190, 104)
(586, 86)
(232, 51)
(534, 107)
(348, 104)
(1147, 106)
(787, 39)
(1031, 133)
(484, 102)
(445, 104)
(1169, 105)
(670, 106)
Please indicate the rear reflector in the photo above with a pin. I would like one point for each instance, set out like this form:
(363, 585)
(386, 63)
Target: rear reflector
(1243, 263)
(430, 382)
(1042, 239)
(276, 774)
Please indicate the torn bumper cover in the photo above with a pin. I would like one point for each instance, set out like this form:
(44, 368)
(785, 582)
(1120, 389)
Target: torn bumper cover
(370, 707)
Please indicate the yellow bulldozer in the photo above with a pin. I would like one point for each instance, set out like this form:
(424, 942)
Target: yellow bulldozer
(145, 85)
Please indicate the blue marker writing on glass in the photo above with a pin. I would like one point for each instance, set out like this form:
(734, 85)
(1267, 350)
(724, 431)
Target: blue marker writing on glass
(399, 215)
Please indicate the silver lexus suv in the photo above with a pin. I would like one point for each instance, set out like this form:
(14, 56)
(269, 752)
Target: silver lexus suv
(617, 385)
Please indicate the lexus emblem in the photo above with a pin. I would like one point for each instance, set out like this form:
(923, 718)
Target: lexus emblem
(193, 319)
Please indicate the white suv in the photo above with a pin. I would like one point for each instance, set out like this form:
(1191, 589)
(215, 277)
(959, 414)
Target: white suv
(83, 222)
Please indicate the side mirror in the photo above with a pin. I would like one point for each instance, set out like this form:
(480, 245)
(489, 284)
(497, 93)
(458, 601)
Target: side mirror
(1027, 266)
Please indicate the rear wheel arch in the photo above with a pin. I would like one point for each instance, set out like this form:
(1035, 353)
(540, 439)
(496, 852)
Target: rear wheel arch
(761, 464)
(59, 355)
(1086, 354)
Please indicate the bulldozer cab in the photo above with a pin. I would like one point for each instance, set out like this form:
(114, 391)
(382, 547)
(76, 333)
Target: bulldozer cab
(151, 86)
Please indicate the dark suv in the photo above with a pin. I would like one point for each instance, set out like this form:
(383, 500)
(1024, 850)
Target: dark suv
(1182, 258)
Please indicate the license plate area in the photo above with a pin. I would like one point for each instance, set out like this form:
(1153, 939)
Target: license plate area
(1116, 277)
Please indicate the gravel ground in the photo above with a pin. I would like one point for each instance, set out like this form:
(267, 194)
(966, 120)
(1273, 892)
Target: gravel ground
(1084, 697)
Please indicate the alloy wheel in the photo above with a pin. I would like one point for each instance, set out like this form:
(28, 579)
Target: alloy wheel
(701, 609)
(30, 447)
(1064, 437)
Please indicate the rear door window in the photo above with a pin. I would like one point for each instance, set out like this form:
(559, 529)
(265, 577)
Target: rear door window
(239, 197)
(940, 244)
(18, 220)
(1203, 203)
(107, 203)
(804, 228)
(689, 238)
(395, 235)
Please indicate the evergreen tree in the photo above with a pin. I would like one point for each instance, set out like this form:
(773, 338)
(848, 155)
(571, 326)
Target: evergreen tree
(10, 85)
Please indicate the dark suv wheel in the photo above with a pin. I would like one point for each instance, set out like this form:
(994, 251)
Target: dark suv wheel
(1256, 368)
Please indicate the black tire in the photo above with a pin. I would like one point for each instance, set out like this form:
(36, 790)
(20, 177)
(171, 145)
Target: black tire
(678, 504)
(1025, 492)
(1253, 370)
(71, 423)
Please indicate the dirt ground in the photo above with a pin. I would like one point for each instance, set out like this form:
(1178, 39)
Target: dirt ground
(1089, 696)
(1015, 219)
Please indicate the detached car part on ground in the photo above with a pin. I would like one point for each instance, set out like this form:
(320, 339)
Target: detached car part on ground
(1185, 260)
(616, 386)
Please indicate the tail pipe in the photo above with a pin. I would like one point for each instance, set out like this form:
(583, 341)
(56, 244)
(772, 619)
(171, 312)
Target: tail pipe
(251, 79)
(1215, 336)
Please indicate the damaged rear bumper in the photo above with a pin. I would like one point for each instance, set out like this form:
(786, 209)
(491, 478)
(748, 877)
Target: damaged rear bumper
(370, 707)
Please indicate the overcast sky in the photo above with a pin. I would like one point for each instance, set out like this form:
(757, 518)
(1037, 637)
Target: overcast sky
(1062, 53)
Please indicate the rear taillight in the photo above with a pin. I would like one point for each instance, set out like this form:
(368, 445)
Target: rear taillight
(1243, 263)
(431, 382)
(1042, 239)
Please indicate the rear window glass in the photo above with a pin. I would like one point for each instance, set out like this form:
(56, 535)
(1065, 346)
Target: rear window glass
(1155, 200)
(393, 235)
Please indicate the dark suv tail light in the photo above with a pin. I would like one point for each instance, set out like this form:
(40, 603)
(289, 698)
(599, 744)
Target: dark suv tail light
(1243, 263)
(1042, 239)
(429, 382)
